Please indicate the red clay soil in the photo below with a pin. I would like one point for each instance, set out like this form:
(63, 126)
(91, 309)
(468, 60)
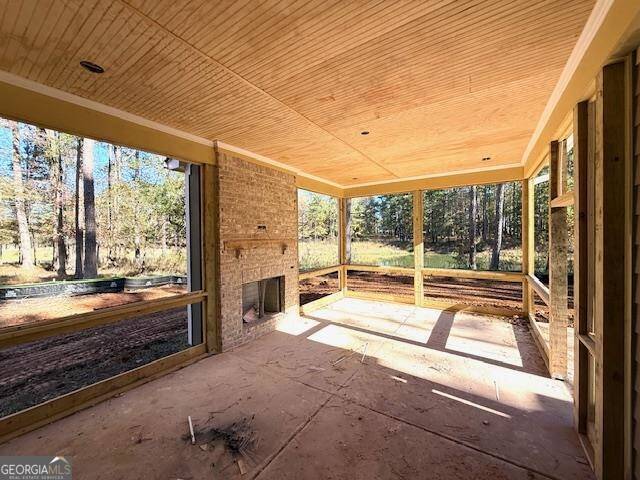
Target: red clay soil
(485, 293)
(35, 372)
(317, 287)
(16, 312)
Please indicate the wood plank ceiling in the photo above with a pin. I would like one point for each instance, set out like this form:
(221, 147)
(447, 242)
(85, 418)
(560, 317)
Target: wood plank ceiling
(439, 84)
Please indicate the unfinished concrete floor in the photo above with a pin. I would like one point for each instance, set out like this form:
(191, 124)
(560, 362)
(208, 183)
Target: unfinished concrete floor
(440, 394)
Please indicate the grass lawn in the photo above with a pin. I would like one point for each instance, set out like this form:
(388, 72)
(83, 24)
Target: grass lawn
(172, 261)
(319, 254)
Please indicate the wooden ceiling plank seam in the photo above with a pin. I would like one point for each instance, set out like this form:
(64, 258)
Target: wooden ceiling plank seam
(412, 54)
(300, 33)
(34, 24)
(152, 5)
(223, 25)
(255, 87)
(140, 64)
(305, 31)
(53, 46)
(182, 15)
(206, 10)
(236, 27)
(266, 78)
(165, 104)
(393, 108)
(145, 71)
(49, 23)
(221, 19)
(420, 86)
(83, 30)
(358, 58)
(234, 24)
(9, 24)
(207, 96)
(438, 41)
(285, 52)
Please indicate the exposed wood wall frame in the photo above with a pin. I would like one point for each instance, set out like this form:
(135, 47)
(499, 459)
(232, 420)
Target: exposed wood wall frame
(610, 256)
(528, 245)
(211, 254)
(307, 308)
(19, 334)
(634, 434)
(558, 291)
(418, 246)
(473, 274)
(343, 246)
(580, 266)
(319, 272)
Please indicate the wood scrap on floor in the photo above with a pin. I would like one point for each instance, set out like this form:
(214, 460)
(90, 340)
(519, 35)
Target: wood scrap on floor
(238, 438)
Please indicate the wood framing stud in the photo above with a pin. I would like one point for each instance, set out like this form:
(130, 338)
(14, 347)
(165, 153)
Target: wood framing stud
(580, 269)
(528, 245)
(610, 294)
(557, 271)
(343, 240)
(211, 257)
(418, 247)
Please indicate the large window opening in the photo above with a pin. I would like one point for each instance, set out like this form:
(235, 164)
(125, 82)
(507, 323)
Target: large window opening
(317, 231)
(88, 228)
(541, 224)
(318, 245)
(380, 231)
(474, 227)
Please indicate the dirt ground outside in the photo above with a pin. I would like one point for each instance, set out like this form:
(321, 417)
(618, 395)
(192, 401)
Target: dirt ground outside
(33, 310)
(476, 292)
(317, 287)
(39, 371)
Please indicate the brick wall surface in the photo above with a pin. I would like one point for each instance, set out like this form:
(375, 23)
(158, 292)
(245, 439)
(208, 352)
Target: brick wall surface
(253, 195)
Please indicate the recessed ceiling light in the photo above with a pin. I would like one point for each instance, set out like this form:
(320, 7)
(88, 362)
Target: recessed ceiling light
(92, 67)
(364, 132)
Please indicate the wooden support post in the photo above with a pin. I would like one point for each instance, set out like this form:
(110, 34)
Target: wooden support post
(528, 244)
(342, 242)
(418, 247)
(580, 264)
(211, 255)
(557, 271)
(611, 208)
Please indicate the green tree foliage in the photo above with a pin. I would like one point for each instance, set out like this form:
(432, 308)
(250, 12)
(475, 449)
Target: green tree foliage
(450, 229)
(139, 206)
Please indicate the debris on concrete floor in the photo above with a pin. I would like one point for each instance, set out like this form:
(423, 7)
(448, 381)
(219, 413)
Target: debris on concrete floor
(238, 438)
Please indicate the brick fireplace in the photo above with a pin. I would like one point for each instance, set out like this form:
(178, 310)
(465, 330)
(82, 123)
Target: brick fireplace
(258, 249)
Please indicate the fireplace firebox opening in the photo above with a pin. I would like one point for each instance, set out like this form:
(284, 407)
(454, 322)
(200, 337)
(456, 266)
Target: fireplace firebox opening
(262, 299)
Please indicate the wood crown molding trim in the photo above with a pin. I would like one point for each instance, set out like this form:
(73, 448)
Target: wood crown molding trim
(27, 101)
(435, 182)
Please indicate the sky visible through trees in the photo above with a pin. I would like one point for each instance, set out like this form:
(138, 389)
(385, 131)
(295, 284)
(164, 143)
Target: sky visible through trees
(72, 207)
